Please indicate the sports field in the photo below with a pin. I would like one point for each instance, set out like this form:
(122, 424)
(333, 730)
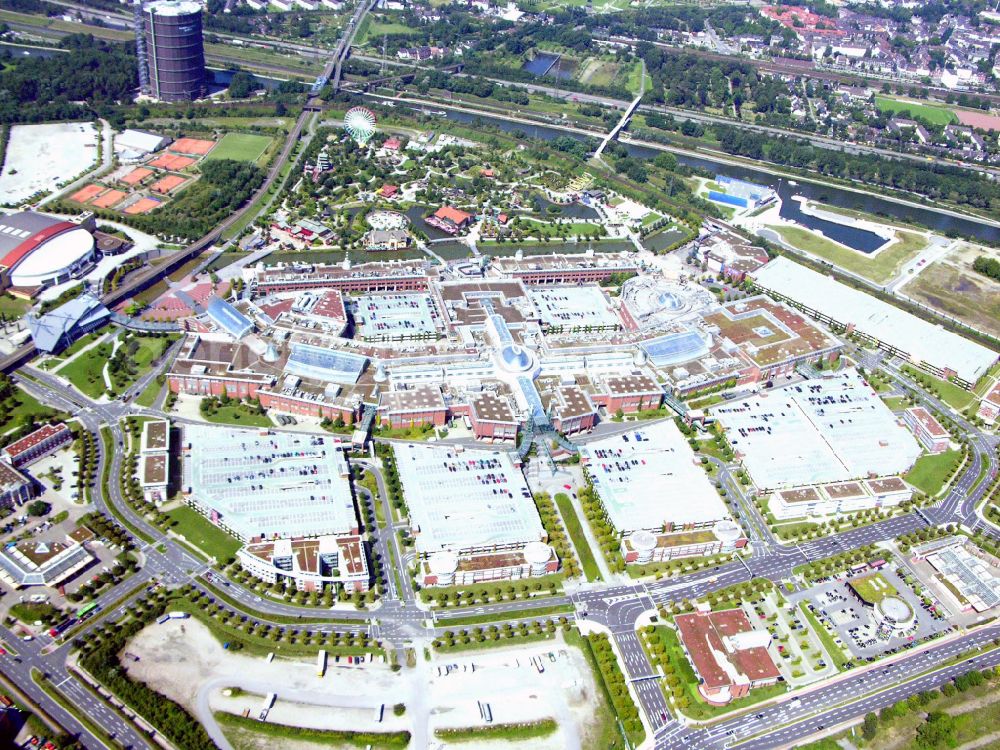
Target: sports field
(937, 115)
(240, 146)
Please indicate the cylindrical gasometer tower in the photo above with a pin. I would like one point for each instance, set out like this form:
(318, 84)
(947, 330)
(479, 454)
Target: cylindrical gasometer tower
(175, 54)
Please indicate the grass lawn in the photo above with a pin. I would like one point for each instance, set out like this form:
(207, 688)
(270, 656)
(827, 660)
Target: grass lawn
(487, 617)
(12, 306)
(634, 82)
(148, 396)
(86, 371)
(933, 113)
(240, 146)
(548, 231)
(27, 406)
(872, 588)
(203, 534)
(929, 472)
(606, 735)
(238, 416)
(509, 732)
(256, 734)
(897, 403)
(575, 531)
(953, 395)
(879, 268)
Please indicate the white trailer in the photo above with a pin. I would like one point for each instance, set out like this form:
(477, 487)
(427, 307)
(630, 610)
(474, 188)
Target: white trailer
(321, 663)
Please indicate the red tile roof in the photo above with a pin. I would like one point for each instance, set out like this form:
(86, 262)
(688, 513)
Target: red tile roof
(30, 441)
(447, 213)
(702, 634)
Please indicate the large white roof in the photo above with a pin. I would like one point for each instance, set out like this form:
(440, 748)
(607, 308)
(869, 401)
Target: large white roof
(272, 485)
(466, 501)
(826, 430)
(648, 477)
(53, 256)
(923, 341)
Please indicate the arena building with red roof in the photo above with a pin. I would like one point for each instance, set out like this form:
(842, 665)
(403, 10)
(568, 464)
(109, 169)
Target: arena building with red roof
(37, 251)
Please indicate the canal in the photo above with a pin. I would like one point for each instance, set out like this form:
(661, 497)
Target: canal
(938, 221)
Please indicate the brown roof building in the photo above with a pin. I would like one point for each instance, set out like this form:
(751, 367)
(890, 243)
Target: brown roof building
(729, 656)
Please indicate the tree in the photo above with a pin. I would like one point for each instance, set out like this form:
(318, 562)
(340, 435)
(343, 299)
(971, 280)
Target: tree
(870, 726)
(38, 508)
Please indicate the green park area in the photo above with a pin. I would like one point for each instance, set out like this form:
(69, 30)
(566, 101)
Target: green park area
(17, 407)
(202, 533)
(575, 530)
(931, 471)
(933, 113)
(126, 364)
(880, 267)
(240, 147)
(955, 396)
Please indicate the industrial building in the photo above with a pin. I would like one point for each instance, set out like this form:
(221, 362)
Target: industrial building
(38, 251)
(472, 516)
(171, 51)
(925, 344)
(262, 486)
(648, 479)
(821, 431)
(966, 576)
(729, 656)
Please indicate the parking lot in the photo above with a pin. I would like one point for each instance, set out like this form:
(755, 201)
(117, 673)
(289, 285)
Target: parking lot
(796, 649)
(850, 621)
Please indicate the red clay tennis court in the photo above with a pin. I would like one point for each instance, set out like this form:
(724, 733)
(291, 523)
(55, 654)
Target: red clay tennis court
(194, 146)
(166, 184)
(85, 194)
(143, 206)
(109, 199)
(136, 176)
(171, 162)
(978, 119)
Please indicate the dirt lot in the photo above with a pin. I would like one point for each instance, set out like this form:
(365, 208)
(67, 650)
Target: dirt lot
(182, 660)
(950, 285)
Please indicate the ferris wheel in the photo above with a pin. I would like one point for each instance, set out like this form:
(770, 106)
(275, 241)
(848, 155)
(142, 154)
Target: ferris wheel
(359, 122)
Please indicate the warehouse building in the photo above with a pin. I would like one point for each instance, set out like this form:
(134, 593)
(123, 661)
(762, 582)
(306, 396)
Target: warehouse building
(823, 431)
(648, 480)
(472, 516)
(261, 486)
(926, 345)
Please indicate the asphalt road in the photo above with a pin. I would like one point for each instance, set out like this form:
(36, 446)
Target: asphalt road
(399, 617)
